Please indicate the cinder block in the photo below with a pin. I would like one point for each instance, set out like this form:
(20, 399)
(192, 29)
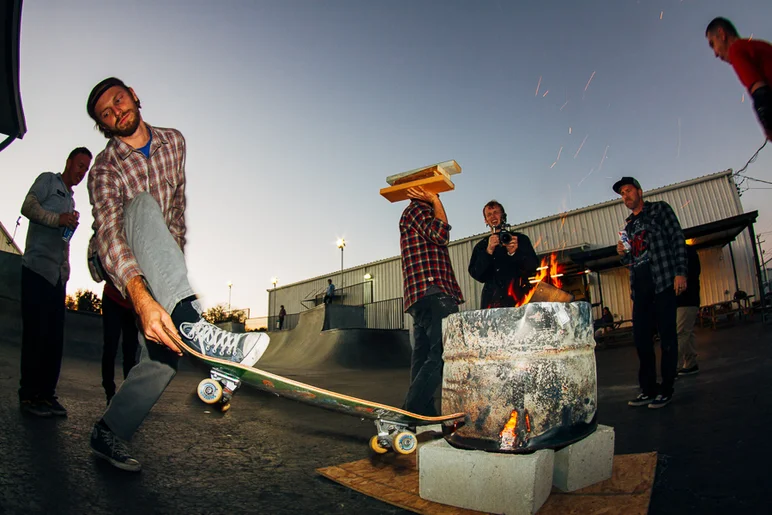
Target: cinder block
(485, 481)
(585, 462)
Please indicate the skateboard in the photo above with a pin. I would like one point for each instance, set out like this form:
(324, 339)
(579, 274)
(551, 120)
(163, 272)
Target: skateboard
(392, 424)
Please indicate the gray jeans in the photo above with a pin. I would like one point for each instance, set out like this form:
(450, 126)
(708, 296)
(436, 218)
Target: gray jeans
(687, 349)
(163, 266)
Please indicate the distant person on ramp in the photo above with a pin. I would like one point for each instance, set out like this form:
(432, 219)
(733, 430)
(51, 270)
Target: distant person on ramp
(137, 193)
(431, 292)
(751, 60)
(329, 293)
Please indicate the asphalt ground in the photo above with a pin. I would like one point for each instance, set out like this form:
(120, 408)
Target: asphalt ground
(260, 457)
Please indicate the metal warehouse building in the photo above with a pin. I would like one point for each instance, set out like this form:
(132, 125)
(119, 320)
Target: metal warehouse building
(584, 240)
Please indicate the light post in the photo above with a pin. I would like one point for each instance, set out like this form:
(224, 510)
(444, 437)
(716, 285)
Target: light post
(341, 245)
(230, 287)
(274, 281)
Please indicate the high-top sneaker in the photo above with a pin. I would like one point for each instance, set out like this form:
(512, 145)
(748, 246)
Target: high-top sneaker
(107, 446)
(244, 348)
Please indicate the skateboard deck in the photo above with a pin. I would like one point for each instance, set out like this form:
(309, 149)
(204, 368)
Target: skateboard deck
(434, 178)
(391, 422)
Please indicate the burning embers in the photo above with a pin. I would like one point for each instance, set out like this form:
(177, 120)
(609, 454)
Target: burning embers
(543, 285)
(513, 436)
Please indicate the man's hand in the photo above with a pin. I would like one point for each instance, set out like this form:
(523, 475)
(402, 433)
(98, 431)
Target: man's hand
(152, 317)
(69, 220)
(621, 248)
(421, 194)
(493, 242)
(679, 284)
(512, 246)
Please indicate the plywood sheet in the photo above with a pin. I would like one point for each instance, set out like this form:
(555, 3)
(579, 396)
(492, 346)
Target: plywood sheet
(394, 479)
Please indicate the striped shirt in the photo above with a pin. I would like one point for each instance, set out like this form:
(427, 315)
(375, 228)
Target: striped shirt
(423, 240)
(665, 246)
(120, 173)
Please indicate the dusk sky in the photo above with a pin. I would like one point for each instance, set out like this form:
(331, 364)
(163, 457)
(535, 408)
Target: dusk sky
(295, 112)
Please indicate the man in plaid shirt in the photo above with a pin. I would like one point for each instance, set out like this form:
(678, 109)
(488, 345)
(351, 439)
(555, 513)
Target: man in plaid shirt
(431, 292)
(137, 192)
(656, 255)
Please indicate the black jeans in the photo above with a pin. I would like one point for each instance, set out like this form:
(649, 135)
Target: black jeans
(42, 341)
(655, 312)
(117, 322)
(426, 365)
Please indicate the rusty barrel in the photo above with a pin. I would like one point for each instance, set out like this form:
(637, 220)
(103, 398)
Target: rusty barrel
(524, 376)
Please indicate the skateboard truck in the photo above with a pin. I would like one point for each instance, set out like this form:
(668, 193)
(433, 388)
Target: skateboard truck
(393, 435)
(218, 389)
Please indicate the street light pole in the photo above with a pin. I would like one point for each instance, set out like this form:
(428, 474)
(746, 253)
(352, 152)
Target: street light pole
(274, 281)
(230, 286)
(341, 246)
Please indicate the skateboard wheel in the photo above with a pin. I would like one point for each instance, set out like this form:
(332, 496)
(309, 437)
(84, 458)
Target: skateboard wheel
(405, 442)
(209, 391)
(376, 447)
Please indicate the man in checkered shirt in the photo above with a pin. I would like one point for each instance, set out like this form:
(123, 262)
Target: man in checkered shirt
(431, 293)
(658, 269)
(137, 192)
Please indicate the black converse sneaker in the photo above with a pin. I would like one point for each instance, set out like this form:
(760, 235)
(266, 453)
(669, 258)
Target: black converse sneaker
(244, 348)
(35, 407)
(55, 407)
(660, 401)
(105, 445)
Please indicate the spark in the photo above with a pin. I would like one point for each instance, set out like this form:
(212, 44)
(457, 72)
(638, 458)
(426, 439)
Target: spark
(564, 105)
(538, 242)
(742, 99)
(537, 86)
(562, 221)
(600, 166)
(660, 14)
(559, 151)
(545, 93)
(580, 147)
(751, 38)
(553, 165)
(591, 170)
(569, 130)
(588, 83)
(687, 203)
(678, 153)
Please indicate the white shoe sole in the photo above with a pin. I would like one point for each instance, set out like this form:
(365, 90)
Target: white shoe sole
(117, 464)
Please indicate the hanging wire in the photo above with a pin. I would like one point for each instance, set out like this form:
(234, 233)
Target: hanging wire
(751, 160)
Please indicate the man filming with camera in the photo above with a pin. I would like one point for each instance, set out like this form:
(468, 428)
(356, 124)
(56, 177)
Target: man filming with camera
(503, 260)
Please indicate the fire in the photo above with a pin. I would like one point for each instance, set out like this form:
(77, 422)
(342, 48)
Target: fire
(508, 435)
(549, 271)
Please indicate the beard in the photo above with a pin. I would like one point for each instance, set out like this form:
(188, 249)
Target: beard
(129, 129)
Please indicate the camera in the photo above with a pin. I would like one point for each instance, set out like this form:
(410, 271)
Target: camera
(504, 233)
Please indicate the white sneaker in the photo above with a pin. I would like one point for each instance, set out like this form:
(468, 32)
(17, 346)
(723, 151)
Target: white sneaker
(243, 348)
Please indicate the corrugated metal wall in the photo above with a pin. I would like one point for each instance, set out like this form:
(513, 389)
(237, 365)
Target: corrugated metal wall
(695, 202)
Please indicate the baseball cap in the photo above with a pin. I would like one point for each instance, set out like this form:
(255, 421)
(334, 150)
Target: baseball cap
(99, 90)
(626, 180)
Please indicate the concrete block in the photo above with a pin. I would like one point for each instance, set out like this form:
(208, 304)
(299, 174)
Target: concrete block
(485, 481)
(585, 462)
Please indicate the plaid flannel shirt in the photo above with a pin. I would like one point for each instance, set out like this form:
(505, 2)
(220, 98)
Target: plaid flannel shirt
(423, 240)
(667, 247)
(120, 173)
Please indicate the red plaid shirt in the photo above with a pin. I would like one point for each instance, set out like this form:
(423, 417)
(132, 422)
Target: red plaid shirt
(120, 173)
(423, 241)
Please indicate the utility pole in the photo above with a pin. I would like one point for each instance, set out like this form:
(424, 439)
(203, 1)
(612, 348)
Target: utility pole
(763, 263)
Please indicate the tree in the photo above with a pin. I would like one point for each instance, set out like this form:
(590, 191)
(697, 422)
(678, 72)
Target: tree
(219, 314)
(70, 302)
(88, 301)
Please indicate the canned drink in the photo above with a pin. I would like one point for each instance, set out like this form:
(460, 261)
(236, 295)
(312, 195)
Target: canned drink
(67, 234)
(625, 239)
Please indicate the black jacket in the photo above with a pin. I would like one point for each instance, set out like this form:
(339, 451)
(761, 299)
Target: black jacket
(497, 271)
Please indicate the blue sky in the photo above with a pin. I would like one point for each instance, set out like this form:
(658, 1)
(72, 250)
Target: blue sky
(296, 111)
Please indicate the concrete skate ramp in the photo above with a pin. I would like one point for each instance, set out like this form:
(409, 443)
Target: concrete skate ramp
(308, 347)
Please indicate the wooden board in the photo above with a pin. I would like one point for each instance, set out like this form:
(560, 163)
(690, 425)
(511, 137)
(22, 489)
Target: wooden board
(394, 479)
(435, 184)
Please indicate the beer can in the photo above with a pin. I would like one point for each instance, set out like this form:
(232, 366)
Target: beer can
(625, 239)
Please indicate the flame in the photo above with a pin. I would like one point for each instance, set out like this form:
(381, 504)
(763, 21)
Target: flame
(508, 435)
(549, 271)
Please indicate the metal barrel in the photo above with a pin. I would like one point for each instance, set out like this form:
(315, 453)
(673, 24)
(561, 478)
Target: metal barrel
(525, 377)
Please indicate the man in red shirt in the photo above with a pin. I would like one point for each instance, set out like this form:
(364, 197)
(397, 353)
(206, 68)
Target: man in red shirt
(751, 60)
(431, 292)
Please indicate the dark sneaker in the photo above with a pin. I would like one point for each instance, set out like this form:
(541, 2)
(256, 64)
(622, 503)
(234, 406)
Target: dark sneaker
(641, 400)
(36, 407)
(660, 401)
(55, 407)
(244, 348)
(105, 445)
(689, 371)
